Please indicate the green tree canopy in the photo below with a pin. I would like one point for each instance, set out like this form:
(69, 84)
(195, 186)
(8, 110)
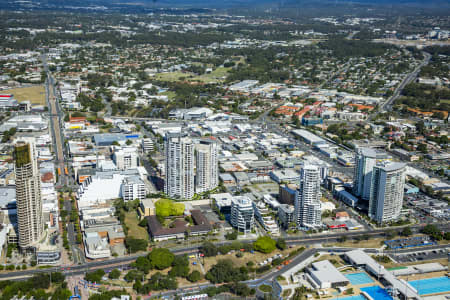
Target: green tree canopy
(224, 271)
(194, 276)
(264, 244)
(209, 249)
(161, 258)
(95, 276)
(114, 274)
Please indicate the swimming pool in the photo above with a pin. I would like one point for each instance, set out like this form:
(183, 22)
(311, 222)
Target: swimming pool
(359, 278)
(359, 297)
(377, 292)
(431, 285)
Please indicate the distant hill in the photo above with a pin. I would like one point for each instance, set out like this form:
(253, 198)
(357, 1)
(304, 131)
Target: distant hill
(219, 4)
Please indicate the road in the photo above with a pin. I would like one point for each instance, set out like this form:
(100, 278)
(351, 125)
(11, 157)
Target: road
(266, 278)
(126, 260)
(56, 116)
(387, 106)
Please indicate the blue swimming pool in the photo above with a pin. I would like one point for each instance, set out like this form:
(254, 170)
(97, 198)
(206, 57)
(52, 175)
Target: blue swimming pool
(359, 297)
(359, 278)
(431, 285)
(377, 292)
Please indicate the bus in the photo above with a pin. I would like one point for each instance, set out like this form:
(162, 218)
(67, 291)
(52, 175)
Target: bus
(59, 171)
(66, 171)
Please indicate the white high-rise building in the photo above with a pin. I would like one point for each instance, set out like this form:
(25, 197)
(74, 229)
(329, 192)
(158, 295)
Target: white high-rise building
(133, 188)
(207, 166)
(28, 195)
(126, 158)
(179, 182)
(242, 214)
(365, 159)
(307, 198)
(386, 192)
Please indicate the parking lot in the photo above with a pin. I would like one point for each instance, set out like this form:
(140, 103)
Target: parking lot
(419, 256)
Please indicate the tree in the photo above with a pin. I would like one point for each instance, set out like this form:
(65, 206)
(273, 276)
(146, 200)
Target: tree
(159, 282)
(430, 229)
(95, 276)
(231, 235)
(114, 274)
(143, 264)
(133, 275)
(40, 281)
(135, 245)
(161, 258)
(433, 231)
(137, 286)
(57, 277)
(143, 223)
(264, 244)
(180, 266)
(61, 294)
(281, 244)
(209, 249)
(128, 142)
(447, 236)
(422, 148)
(406, 231)
(224, 271)
(194, 276)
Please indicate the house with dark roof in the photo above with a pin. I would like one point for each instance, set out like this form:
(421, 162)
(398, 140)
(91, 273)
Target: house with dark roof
(179, 228)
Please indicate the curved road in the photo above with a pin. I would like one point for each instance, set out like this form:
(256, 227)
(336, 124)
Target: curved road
(105, 264)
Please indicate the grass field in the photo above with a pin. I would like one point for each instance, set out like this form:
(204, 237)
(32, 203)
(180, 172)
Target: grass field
(169, 94)
(256, 257)
(35, 94)
(215, 76)
(134, 230)
(371, 243)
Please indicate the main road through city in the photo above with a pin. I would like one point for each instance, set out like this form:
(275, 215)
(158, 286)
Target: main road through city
(387, 106)
(56, 116)
(126, 260)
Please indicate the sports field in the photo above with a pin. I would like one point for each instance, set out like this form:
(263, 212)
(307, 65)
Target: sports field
(35, 94)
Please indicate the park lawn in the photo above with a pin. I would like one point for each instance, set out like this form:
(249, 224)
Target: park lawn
(134, 230)
(215, 75)
(445, 101)
(173, 76)
(256, 257)
(370, 243)
(35, 94)
(170, 94)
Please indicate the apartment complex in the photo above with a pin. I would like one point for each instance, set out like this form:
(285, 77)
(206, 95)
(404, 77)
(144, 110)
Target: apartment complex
(386, 192)
(207, 166)
(28, 195)
(133, 188)
(365, 160)
(126, 158)
(307, 200)
(242, 214)
(179, 182)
